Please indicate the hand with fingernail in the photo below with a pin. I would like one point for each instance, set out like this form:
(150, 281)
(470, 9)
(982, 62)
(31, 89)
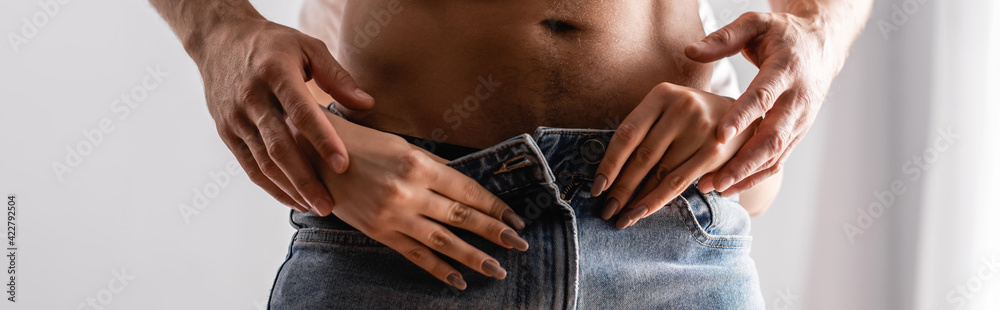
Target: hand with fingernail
(406, 198)
(670, 136)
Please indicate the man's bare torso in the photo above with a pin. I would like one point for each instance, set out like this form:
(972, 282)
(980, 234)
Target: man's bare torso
(475, 73)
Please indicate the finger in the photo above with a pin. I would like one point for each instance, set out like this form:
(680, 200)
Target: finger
(730, 39)
(674, 158)
(770, 83)
(246, 160)
(671, 185)
(333, 79)
(458, 187)
(773, 136)
(425, 259)
(627, 137)
(706, 185)
(283, 150)
(642, 160)
(442, 240)
(763, 174)
(456, 214)
(271, 170)
(303, 111)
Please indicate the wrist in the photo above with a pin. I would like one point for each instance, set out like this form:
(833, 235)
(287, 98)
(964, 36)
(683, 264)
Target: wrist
(213, 23)
(832, 26)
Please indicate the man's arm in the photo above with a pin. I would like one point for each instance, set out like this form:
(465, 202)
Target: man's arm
(799, 49)
(254, 73)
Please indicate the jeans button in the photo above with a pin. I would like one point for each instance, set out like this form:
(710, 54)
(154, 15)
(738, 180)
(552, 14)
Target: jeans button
(592, 151)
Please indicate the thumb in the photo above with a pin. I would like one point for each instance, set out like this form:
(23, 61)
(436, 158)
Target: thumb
(334, 80)
(730, 39)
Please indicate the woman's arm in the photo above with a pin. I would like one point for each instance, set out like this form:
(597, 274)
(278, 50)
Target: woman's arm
(757, 199)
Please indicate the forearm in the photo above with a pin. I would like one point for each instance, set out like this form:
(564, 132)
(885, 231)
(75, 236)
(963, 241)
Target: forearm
(841, 21)
(193, 20)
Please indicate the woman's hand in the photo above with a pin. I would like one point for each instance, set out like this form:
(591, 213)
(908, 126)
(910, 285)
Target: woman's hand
(670, 135)
(403, 196)
(255, 74)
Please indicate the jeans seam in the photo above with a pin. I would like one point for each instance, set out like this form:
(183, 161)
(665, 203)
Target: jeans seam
(697, 233)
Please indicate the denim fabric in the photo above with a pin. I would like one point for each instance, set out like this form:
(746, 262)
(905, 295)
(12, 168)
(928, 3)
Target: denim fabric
(692, 254)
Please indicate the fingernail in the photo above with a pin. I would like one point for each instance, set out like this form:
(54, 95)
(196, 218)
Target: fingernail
(700, 45)
(623, 222)
(728, 133)
(493, 268)
(338, 162)
(512, 239)
(726, 183)
(363, 95)
(632, 216)
(322, 206)
(512, 219)
(456, 281)
(599, 182)
(705, 186)
(609, 209)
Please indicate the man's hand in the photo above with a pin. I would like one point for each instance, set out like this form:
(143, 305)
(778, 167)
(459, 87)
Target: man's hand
(669, 136)
(405, 198)
(255, 75)
(798, 54)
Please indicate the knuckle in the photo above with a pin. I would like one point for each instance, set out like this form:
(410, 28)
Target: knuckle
(298, 112)
(269, 67)
(439, 239)
(775, 140)
(754, 17)
(257, 177)
(470, 191)
(458, 213)
(677, 182)
(742, 172)
(279, 148)
(722, 35)
(765, 96)
(643, 155)
(341, 76)
(410, 163)
(661, 172)
(417, 254)
(627, 132)
(392, 190)
(244, 95)
(663, 88)
(269, 168)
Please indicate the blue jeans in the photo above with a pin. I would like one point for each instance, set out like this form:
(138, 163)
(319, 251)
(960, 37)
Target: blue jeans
(692, 254)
